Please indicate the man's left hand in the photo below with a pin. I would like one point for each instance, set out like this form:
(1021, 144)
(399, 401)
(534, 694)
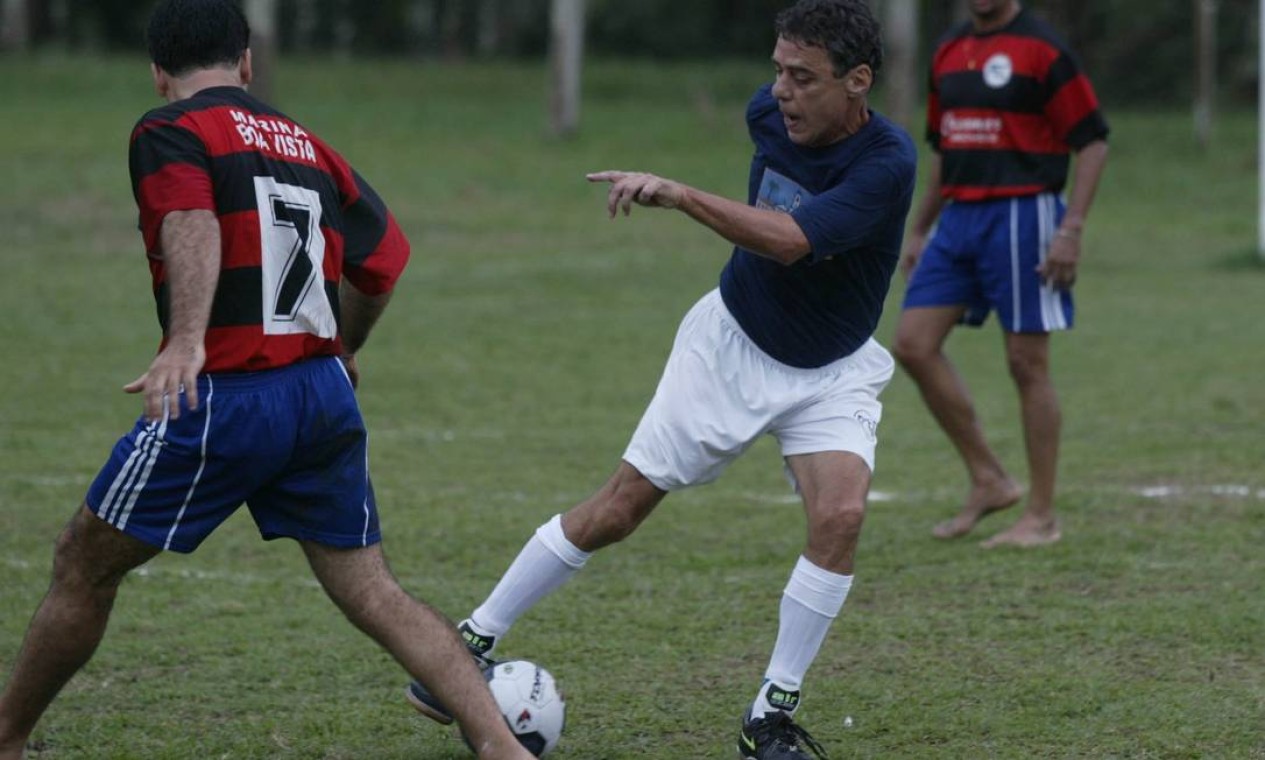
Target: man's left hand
(353, 369)
(1059, 267)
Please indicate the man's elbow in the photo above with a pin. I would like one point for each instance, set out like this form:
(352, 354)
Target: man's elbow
(1098, 148)
(790, 251)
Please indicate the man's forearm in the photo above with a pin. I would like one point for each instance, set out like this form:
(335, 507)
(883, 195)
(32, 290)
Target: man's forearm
(932, 201)
(772, 234)
(1090, 162)
(358, 313)
(191, 262)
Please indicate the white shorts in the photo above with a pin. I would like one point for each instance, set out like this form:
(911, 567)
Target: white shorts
(719, 393)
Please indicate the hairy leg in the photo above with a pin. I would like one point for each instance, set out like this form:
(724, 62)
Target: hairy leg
(834, 486)
(420, 638)
(613, 512)
(919, 347)
(89, 562)
(1028, 356)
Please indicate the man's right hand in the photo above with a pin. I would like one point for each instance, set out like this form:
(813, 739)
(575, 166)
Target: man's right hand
(175, 369)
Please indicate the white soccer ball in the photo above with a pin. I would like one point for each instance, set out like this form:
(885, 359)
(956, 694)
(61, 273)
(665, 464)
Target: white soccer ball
(530, 701)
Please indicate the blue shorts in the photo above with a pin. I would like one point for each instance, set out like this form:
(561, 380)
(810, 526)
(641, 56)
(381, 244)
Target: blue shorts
(984, 256)
(289, 443)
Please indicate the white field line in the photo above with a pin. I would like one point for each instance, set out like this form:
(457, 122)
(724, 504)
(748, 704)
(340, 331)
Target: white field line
(1223, 490)
(220, 576)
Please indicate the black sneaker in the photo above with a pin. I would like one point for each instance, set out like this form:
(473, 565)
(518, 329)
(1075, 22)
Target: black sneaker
(428, 704)
(776, 737)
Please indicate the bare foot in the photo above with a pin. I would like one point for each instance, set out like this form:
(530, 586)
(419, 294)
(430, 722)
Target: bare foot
(981, 502)
(1028, 532)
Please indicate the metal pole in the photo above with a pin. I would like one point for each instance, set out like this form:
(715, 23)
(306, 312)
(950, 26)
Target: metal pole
(1206, 69)
(901, 32)
(15, 28)
(566, 53)
(1260, 130)
(262, 16)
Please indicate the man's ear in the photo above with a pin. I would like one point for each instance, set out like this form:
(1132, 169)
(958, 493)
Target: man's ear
(859, 80)
(162, 80)
(244, 69)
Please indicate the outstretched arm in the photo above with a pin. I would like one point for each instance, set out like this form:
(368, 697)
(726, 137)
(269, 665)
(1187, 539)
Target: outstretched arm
(191, 260)
(772, 234)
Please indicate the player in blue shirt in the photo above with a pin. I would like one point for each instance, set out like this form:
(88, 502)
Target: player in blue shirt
(784, 346)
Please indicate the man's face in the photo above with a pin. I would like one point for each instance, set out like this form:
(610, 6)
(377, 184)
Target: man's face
(813, 101)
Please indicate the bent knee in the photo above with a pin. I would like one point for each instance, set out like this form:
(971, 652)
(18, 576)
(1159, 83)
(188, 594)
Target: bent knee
(842, 519)
(1027, 370)
(912, 353)
(75, 570)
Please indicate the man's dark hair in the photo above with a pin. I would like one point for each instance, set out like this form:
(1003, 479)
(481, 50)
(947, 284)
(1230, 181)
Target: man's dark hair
(846, 29)
(185, 35)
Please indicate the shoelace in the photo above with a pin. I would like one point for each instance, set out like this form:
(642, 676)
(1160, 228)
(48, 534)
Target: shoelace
(779, 726)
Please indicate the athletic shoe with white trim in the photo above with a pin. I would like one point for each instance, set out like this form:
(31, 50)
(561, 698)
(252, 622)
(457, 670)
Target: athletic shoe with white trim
(775, 736)
(428, 704)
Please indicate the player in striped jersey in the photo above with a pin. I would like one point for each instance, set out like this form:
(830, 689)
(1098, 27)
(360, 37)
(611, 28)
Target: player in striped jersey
(271, 261)
(1008, 104)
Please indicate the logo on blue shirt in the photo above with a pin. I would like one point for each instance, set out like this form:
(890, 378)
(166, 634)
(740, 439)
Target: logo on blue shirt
(778, 193)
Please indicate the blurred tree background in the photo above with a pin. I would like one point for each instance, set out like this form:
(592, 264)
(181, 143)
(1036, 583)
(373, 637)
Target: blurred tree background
(1140, 52)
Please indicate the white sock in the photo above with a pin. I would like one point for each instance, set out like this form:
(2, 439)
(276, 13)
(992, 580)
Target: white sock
(811, 601)
(546, 561)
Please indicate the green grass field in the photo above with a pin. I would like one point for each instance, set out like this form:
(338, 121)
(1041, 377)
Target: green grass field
(501, 387)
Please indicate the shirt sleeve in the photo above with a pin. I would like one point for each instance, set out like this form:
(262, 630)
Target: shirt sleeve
(170, 169)
(854, 213)
(933, 113)
(1071, 104)
(375, 248)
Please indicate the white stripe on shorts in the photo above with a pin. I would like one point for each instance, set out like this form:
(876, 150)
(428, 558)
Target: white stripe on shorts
(134, 492)
(1052, 314)
(1016, 297)
(364, 534)
(206, 430)
(134, 473)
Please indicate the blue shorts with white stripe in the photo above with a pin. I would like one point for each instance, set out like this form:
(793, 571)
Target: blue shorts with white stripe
(984, 256)
(289, 443)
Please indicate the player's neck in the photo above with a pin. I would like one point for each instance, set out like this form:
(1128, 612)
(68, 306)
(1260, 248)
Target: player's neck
(854, 121)
(196, 81)
(993, 22)
(191, 84)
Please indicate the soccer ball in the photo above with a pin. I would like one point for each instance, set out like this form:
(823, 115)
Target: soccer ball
(530, 701)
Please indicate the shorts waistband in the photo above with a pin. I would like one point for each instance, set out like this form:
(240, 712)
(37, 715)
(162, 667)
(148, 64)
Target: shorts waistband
(251, 381)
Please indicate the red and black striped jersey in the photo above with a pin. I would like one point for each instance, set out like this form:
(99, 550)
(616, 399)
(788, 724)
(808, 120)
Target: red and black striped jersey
(294, 218)
(1005, 109)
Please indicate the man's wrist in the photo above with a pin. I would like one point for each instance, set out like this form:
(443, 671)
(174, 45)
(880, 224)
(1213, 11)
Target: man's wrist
(1073, 223)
